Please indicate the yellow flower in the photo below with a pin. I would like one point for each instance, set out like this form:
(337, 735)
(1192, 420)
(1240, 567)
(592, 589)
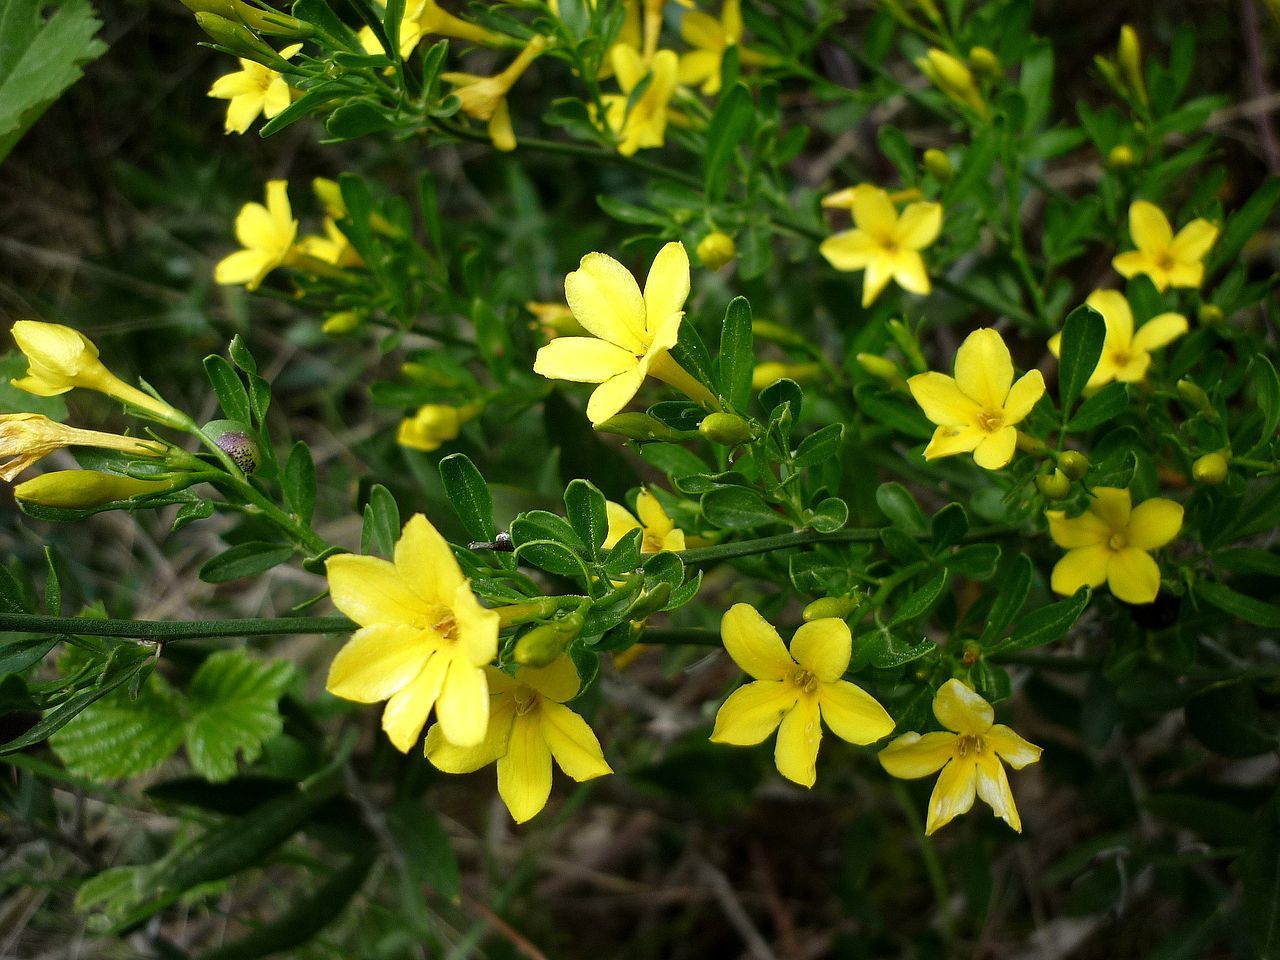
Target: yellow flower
(434, 425)
(485, 98)
(643, 123)
(1126, 355)
(59, 358)
(1111, 544)
(333, 248)
(329, 193)
(883, 244)
(254, 90)
(528, 725)
(86, 489)
(553, 319)
(27, 437)
(423, 640)
(1168, 260)
(978, 409)
(794, 692)
(266, 234)
(659, 532)
(426, 18)
(630, 332)
(969, 758)
(710, 38)
(953, 78)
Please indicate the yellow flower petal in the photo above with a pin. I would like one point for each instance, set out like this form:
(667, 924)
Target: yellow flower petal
(953, 794)
(572, 743)
(942, 401)
(1134, 262)
(245, 267)
(582, 360)
(666, 288)
(996, 449)
(628, 66)
(1133, 576)
(277, 98)
(369, 590)
(558, 681)
(475, 627)
(376, 662)
(701, 30)
(1081, 567)
(920, 225)
(873, 211)
(242, 111)
(1160, 331)
(501, 133)
(753, 643)
(524, 773)
(912, 756)
(1086, 530)
(984, 369)
(701, 67)
(849, 250)
(652, 516)
(1184, 276)
(879, 272)
(444, 756)
(425, 562)
(960, 709)
(909, 272)
(1153, 523)
(1112, 505)
(463, 705)
(993, 788)
(853, 714)
(1011, 748)
(608, 399)
(799, 735)
(621, 522)
(823, 647)
(1149, 227)
(1023, 395)
(752, 712)
(232, 85)
(1117, 316)
(406, 712)
(948, 441)
(1193, 241)
(605, 298)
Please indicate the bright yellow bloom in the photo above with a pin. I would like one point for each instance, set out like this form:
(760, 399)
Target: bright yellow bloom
(59, 358)
(1111, 544)
(485, 98)
(253, 90)
(643, 123)
(794, 692)
(434, 425)
(423, 641)
(969, 758)
(86, 489)
(333, 248)
(953, 78)
(978, 409)
(885, 245)
(528, 725)
(25, 438)
(329, 193)
(266, 234)
(1126, 355)
(1168, 260)
(630, 332)
(426, 18)
(710, 38)
(659, 532)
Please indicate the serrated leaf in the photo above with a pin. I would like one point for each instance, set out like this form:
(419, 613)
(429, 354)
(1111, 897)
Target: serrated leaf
(121, 737)
(233, 702)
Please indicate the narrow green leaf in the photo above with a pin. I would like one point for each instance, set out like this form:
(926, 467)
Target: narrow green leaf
(1244, 224)
(1010, 596)
(1260, 871)
(921, 600)
(469, 496)
(381, 523)
(1103, 407)
(1083, 334)
(1237, 604)
(737, 354)
(730, 125)
(233, 398)
(300, 482)
(1046, 625)
(244, 560)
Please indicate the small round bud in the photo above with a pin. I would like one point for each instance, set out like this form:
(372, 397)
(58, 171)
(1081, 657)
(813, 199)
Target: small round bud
(938, 164)
(726, 428)
(985, 63)
(972, 653)
(333, 70)
(1053, 486)
(1210, 470)
(882, 369)
(827, 608)
(1120, 157)
(1073, 464)
(716, 249)
(1210, 315)
(235, 440)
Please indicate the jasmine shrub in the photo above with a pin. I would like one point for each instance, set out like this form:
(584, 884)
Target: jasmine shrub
(662, 477)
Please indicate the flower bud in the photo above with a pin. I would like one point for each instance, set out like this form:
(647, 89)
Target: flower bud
(953, 78)
(985, 63)
(1073, 464)
(1053, 486)
(971, 653)
(641, 426)
(1110, 75)
(434, 425)
(938, 164)
(832, 608)
(236, 440)
(86, 489)
(882, 369)
(341, 323)
(726, 428)
(270, 22)
(1120, 157)
(1211, 469)
(1194, 396)
(240, 40)
(543, 644)
(1129, 58)
(716, 249)
(1210, 315)
(771, 372)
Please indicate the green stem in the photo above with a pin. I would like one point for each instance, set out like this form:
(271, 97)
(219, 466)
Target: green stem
(785, 541)
(693, 636)
(172, 629)
(932, 865)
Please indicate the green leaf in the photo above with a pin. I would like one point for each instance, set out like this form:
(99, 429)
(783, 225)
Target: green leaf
(829, 515)
(977, 561)
(244, 560)
(18, 655)
(121, 737)
(948, 526)
(1010, 597)
(921, 600)
(819, 447)
(40, 58)
(892, 409)
(1267, 384)
(300, 482)
(897, 503)
(624, 556)
(233, 398)
(1083, 333)
(1103, 407)
(233, 702)
(1246, 222)
(1260, 871)
(1226, 719)
(357, 118)
(1046, 625)
(730, 125)
(894, 145)
(425, 846)
(1239, 605)
(584, 505)
(736, 361)
(381, 523)
(737, 508)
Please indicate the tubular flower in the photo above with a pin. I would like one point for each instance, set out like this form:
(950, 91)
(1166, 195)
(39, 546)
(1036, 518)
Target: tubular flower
(25, 438)
(266, 234)
(630, 332)
(1126, 355)
(1170, 261)
(978, 409)
(643, 123)
(485, 98)
(434, 425)
(953, 78)
(59, 358)
(86, 489)
(659, 532)
(423, 641)
(333, 248)
(887, 246)
(794, 691)
(426, 18)
(528, 726)
(1111, 543)
(710, 38)
(969, 757)
(253, 90)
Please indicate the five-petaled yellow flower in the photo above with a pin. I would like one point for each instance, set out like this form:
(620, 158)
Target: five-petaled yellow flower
(60, 359)
(1126, 355)
(979, 408)
(887, 246)
(253, 90)
(434, 425)
(1170, 261)
(630, 332)
(529, 724)
(643, 123)
(25, 438)
(426, 18)
(423, 642)
(485, 98)
(334, 248)
(1111, 543)
(969, 757)
(710, 38)
(659, 532)
(266, 234)
(794, 692)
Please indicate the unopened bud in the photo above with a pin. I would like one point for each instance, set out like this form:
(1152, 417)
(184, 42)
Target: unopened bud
(1053, 486)
(240, 40)
(543, 644)
(343, 322)
(985, 63)
(716, 249)
(86, 489)
(1073, 464)
(270, 22)
(1211, 469)
(1210, 315)
(1194, 396)
(235, 440)
(1129, 58)
(938, 164)
(641, 426)
(771, 372)
(1120, 157)
(726, 428)
(832, 608)
(972, 653)
(1109, 73)
(882, 369)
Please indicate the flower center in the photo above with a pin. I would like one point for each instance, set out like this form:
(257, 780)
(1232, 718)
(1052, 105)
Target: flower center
(1118, 541)
(1165, 261)
(805, 680)
(972, 743)
(1121, 358)
(446, 626)
(989, 421)
(526, 701)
